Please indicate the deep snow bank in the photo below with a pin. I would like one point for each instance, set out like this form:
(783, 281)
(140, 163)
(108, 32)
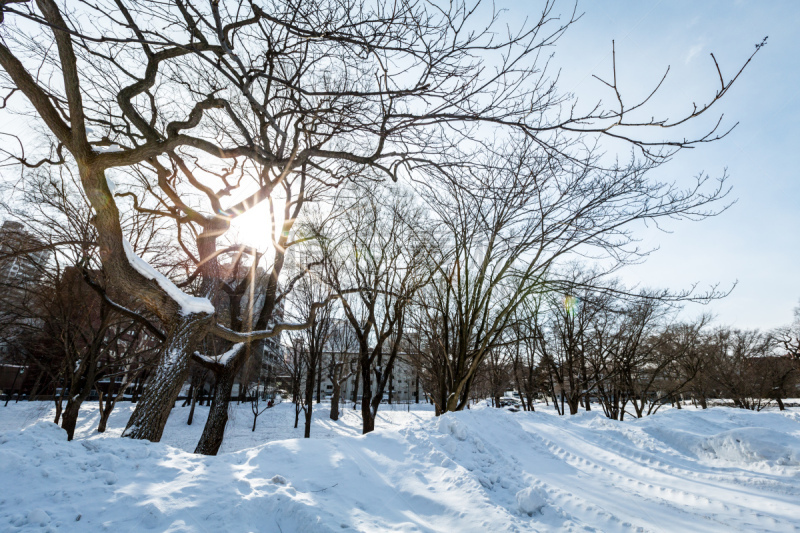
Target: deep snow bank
(487, 470)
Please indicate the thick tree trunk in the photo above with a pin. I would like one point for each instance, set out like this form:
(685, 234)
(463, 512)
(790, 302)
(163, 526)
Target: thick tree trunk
(574, 403)
(780, 403)
(335, 401)
(70, 416)
(214, 430)
(165, 383)
(703, 402)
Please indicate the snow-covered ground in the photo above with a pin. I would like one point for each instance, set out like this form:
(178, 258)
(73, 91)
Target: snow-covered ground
(483, 470)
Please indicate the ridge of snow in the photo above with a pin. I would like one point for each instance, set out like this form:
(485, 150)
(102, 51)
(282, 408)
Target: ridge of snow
(189, 304)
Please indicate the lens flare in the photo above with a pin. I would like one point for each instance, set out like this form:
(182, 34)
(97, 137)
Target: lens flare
(571, 304)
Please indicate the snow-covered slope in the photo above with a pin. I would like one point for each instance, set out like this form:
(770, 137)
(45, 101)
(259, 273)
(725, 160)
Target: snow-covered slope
(482, 470)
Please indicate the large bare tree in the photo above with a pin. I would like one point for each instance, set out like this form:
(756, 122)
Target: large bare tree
(223, 97)
(215, 98)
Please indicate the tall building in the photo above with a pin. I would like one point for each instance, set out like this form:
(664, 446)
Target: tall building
(17, 266)
(18, 269)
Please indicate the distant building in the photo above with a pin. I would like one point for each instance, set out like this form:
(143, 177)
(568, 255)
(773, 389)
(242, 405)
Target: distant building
(18, 267)
(403, 385)
(22, 260)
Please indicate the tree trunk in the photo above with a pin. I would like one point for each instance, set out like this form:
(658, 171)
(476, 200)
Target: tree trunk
(214, 430)
(416, 395)
(137, 390)
(319, 378)
(368, 422)
(314, 365)
(335, 401)
(190, 395)
(104, 410)
(355, 387)
(70, 417)
(780, 403)
(574, 403)
(195, 392)
(35, 388)
(59, 407)
(165, 383)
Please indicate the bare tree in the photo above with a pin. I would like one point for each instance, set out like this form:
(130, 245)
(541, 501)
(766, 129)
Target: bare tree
(342, 362)
(374, 260)
(234, 94)
(312, 340)
(788, 337)
(88, 341)
(738, 357)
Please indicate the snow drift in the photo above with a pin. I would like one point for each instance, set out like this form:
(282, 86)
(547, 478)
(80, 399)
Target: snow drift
(482, 470)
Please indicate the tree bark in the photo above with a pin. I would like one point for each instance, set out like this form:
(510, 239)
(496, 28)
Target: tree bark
(319, 378)
(335, 400)
(105, 412)
(69, 419)
(214, 430)
(368, 422)
(165, 383)
(59, 406)
(195, 392)
(355, 387)
(703, 402)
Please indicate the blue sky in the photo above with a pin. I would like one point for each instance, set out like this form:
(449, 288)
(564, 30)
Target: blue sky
(757, 241)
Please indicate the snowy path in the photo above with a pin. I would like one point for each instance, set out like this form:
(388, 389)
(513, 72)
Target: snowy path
(483, 470)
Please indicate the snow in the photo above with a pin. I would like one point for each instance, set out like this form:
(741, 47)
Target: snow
(224, 358)
(189, 304)
(109, 148)
(482, 470)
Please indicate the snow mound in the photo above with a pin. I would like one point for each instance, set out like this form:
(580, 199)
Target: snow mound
(531, 500)
(753, 445)
(449, 424)
(481, 470)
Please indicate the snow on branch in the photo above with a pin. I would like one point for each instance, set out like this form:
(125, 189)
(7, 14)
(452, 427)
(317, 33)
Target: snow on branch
(189, 304)
(222, 359)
